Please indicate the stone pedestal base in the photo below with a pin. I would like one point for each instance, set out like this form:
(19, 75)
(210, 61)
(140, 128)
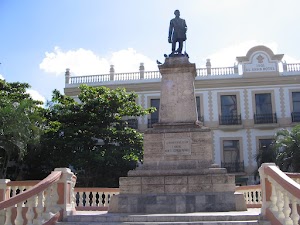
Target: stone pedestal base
(174, 203)
(177, 194)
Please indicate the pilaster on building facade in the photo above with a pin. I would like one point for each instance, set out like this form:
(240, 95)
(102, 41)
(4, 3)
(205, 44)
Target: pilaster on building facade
(243, 105)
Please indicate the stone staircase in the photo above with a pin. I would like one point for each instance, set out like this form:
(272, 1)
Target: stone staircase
(251, 217)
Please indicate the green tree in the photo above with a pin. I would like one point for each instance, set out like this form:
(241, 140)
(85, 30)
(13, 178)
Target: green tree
(284, 151)
(91, 136)
(287, 145)
(20, 126)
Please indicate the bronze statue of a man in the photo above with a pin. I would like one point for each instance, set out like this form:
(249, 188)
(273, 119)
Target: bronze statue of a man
(177, 33)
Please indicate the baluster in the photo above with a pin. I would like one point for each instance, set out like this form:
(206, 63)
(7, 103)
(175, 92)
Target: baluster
(280, 204)
(295, 216)
(8, 216)
(30, 213)
(73, 197)
(19, 218)
(89, 199)
(102, 199)
(105, 198)
(94, 198)
(246, 197)
(109, 194)
(252, 197)
(54, 207)
(40, 208)
(287, 210)
(255, 196)
(47, 203)
(14, 191)
(273, 199)
(259, 196)
(21, 188)
(80, 199)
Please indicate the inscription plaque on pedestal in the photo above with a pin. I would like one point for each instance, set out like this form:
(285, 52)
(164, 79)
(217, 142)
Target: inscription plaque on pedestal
(177, 146)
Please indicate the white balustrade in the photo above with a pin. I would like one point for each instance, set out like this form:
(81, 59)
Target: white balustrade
(152, 75)
(41, 201)
(285, 192)
(89, 79)
(252, 194)
(127, 76)
(94, 197)
(293, 67)
(202, 73)
(222, 71)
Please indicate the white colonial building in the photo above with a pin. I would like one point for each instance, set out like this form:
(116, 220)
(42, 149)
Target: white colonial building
(243, 105)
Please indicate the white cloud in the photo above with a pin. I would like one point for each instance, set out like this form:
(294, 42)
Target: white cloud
(86, 62)
(1, 77)
(36, 95)
(128, 60)
(227, 56)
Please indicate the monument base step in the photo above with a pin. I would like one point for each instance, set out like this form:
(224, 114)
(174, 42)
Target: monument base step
(250, 217)
(177, 203)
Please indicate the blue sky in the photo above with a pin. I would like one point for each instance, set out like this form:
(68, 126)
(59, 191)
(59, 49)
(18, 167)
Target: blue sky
(39, 39)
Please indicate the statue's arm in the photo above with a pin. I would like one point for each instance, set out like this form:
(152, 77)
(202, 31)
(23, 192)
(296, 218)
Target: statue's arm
(171, 27)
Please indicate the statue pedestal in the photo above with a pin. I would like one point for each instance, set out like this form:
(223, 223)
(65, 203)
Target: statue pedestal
(177, 175)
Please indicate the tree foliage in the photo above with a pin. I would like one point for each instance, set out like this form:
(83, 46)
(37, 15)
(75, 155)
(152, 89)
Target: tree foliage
(20, 126)
(287, 145)
(91, 136)
(284, 151)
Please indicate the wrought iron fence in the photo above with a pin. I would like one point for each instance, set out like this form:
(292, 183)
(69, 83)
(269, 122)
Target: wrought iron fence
(295, 116)
(265, 118)
(233, 167)
(230, 119)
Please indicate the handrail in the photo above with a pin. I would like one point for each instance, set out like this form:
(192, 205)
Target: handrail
(286, 182)
(281, 195)
(41, 186)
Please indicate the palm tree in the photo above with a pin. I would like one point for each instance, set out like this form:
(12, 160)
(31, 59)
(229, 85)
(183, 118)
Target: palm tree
(267, 154)
(287, 143)
(284, 151)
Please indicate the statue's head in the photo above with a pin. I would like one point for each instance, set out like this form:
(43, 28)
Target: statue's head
(177, 13)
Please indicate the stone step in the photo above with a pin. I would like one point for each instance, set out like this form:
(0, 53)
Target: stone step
(251, 216)
(252, 222)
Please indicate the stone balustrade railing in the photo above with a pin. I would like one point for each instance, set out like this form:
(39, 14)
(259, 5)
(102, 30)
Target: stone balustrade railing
(292, 67)
(281, 195)
(33, 202)
(252, 195)
(202, 73)
(94, 198)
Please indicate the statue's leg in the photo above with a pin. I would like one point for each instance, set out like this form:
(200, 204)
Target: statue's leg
(179, 50)
(173, 46)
